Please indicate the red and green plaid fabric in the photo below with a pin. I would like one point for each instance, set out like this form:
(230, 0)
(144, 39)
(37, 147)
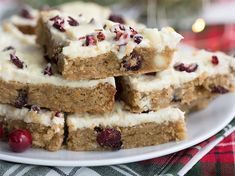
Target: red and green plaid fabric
(213, 157)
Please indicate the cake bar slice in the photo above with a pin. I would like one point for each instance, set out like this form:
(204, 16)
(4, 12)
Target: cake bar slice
(123, 129)
(26, 78)
(192, 80)
(46, 127)
(90, 50)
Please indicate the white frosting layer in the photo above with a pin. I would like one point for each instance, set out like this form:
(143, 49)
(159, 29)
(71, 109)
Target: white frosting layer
(44, 117)
(87, 9)
(122, 118)
(165, 38)
(21, 21)
(171, 77)
(32, 56)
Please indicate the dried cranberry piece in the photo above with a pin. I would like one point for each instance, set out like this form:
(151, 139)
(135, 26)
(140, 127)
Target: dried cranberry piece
(15, 60)
(20, 140)
(219, 89)
(8, 48)
(138, 38)
(58, 114)
(72, 21)
(35, 108)
(100, 36)
(188, 68)
(191, 68)
(90, 40)
(48, 70)
(132, 63)
(118, 35)
(214, 60)
(133, 32)
(1, 130)
(110, 138)
(26, 14)
(58, 23)
(22, 99)
(116, 19)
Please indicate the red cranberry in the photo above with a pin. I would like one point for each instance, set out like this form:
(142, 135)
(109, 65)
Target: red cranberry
(26, 14)
(72, 22)
(90, 40)
(133, 32)
(191, 68)
(188, 68)
(138, 38)
(110, 138)
(133, 63)
(118, 35)
(219, 90)
(20, 140)
(48, 70)
(100, 36)
(1, 131)
(58, 114)
(22, 99)
(15, 60)
(116, 19)
(214, 60)
(35, 108)
(58, 23)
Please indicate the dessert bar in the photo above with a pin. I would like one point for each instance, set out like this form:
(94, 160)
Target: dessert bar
(193, 78)
(26, 78)
(46, 127)
(84, 49)
(123, 129)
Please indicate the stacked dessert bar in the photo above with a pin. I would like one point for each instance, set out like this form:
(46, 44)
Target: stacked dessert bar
(61, 87)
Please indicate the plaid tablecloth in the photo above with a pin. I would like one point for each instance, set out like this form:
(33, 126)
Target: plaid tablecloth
(213, 157)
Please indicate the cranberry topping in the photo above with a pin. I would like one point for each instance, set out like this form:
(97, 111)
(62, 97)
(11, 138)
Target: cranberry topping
(138, 38)
(132, 63)
(58, 23)
(58, 114)
(35, 108)
(26, 14)
(219, 89)
(48, 70)
(110, 138)
(90, 40)
(15, 60)
(22, 99)
(100, 36)
(1, 130)
(214, 60)
(72, 22)
(133, 32)
(8, 48)
(20, 140)
(116, 19)
(183, 67)
(118, 35)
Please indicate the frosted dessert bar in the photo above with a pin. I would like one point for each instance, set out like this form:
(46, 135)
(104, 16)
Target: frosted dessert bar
(123, 129)
(46, 127)
(90, 50)
(26, 78)
(192, 80)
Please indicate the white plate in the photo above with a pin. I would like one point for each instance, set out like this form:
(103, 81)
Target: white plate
(200, 125)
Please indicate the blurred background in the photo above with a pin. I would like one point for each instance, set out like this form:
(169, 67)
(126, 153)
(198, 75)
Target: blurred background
(208, 24)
